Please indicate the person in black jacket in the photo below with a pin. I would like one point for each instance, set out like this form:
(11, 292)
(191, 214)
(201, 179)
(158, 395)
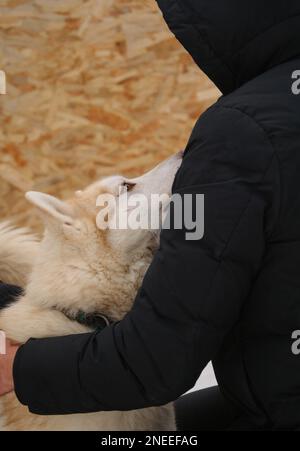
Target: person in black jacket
(234, 296)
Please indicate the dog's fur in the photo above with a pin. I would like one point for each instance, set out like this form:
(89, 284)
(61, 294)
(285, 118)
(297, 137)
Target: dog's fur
(78, 267)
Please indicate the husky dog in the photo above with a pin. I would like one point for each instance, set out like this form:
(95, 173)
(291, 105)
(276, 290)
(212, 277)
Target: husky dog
(79, 267)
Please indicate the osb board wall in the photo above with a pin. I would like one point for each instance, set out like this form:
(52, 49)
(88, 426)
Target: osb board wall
(94, 87)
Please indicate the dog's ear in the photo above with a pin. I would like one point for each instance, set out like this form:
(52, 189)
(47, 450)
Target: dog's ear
(51, 207)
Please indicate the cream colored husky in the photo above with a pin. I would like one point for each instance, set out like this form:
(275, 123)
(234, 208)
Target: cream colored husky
(78, 267)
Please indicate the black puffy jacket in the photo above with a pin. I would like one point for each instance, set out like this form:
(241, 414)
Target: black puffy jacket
(233, 296)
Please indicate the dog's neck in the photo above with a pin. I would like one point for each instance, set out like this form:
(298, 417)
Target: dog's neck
(107, 287)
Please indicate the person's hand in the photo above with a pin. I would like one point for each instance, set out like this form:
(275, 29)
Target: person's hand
(6, 368)
(8, 294)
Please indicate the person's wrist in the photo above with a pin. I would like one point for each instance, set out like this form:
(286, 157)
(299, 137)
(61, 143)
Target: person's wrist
(6, 367)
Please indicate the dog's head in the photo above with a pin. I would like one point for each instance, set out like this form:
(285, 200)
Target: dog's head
(79, 257)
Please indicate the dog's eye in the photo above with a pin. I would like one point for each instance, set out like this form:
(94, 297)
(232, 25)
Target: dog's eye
(129, 186)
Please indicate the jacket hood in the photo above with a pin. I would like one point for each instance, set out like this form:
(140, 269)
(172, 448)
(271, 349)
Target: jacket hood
(233, 41)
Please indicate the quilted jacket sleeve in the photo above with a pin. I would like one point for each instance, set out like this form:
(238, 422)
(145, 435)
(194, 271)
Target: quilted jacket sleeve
(191, 296)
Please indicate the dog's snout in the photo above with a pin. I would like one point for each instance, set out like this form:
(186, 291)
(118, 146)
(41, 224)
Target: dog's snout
(177, 156)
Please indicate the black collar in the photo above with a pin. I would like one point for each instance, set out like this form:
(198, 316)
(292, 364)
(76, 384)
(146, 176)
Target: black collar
(95, 321)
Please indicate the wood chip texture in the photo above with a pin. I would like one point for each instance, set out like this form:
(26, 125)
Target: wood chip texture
(94, 87)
